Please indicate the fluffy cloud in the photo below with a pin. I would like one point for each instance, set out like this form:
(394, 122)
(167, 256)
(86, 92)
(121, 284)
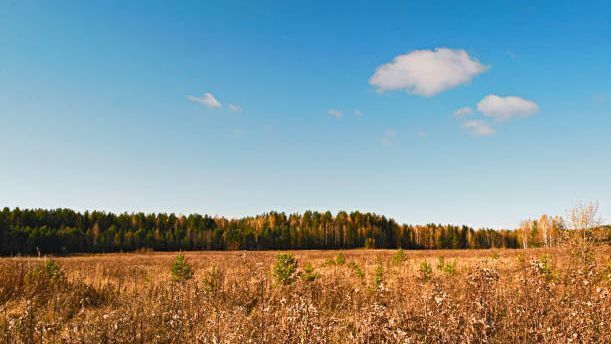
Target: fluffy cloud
(504, 108)
(427, 72)
(462, 112)
(234, 108)
(389, 138)
(335, 113)
(207, 100)
(478, 128)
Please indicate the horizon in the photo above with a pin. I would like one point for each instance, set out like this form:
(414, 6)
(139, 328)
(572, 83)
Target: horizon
(481, 114)
(301, 213)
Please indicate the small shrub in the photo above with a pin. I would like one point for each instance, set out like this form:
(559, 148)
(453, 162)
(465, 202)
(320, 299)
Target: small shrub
(358, 272)
(181, 269)
(399, 257)
(449, 268)
(285, 269)
(329, 262)
(213, 281)
(426, 271)
(544, 266)
(378, 277)
(340, 259)
(441, 261)
(309, 275)
(50, 270)
(495, 256)
(46, 275)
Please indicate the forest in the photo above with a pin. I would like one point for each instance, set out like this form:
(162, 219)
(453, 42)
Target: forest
(64, 231)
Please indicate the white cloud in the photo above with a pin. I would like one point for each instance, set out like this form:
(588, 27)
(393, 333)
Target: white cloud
(358, 112)
(462, 112)
(504, 108)
(422, 134)
(335, 113)
(389, 138)
(427, 72)
(234, 108)
(478, 128)
(207, 99)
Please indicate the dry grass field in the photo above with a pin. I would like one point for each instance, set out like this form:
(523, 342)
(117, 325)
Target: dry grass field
(360, 296)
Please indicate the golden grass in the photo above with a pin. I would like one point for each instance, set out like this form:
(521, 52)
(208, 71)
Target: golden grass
(494, 296)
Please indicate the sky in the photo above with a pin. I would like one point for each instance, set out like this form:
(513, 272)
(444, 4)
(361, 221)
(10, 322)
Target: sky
(464, 112)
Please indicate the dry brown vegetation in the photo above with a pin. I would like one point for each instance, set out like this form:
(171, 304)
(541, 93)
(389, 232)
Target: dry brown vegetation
(368, 296)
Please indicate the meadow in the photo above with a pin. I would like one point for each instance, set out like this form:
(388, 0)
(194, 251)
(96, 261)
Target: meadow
(361, 296)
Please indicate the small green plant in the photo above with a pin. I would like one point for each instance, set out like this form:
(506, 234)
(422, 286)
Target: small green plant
(213, 281)
(378, 276)
(544, 266)
(340, 259)
(399, 257)
(495, 256)
(181, 269)
(50, 270)
(426, 271)
(358, 272)
(448, 267)
(441, 261)
(285, 269)
(329, 262)
(309, 274)
(521, 258)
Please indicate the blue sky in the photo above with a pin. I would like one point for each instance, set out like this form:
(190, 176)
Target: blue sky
(103, 106)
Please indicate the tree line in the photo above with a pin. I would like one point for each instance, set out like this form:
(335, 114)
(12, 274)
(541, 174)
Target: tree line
(63, 231)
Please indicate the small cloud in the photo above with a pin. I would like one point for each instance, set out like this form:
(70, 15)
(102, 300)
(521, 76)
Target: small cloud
(462, 112)
(422, 134)
(234, 108)
(427, 72)
(238, 131)
(389, 138)
(207, 100)
(335, 113)
(478, 128)
(358, 112)
(504, 108)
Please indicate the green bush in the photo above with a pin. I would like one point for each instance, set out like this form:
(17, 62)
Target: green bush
(46, 274)
(399, 257)
(544, 267)
(329, 262)
(358, 272)
(426, 271)
(51, 270)
(181, 269)
(378, 277)
(340, 259)
(213, 281)
(309, 275)
(285, 269)
(447, 267)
